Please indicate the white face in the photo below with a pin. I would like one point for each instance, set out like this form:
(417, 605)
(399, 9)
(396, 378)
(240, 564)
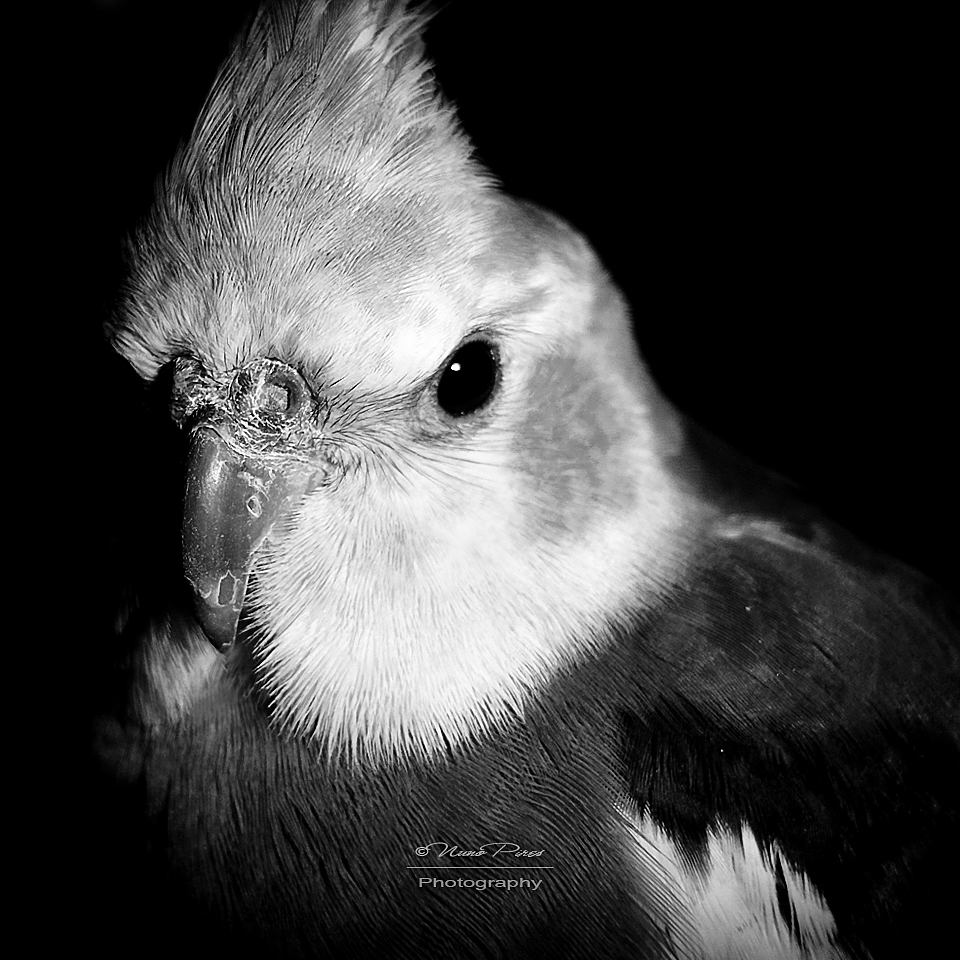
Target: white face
(455, 562)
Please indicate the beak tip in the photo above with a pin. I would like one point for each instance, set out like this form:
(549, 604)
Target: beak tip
(219, 625)
(217, 607)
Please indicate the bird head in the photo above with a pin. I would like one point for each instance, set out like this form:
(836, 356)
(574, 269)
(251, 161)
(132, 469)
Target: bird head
(425, 458)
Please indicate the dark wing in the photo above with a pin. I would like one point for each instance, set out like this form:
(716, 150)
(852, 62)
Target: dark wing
(813, 700)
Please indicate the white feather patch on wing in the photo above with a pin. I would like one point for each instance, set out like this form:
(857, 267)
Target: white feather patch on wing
(730, 908)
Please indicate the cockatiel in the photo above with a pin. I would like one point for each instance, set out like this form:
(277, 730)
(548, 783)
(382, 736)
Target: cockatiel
(475, 647)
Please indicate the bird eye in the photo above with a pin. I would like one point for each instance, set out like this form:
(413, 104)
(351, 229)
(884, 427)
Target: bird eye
(468, 379)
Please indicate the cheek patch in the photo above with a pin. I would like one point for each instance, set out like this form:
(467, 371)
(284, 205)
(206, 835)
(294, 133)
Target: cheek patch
(568, 445)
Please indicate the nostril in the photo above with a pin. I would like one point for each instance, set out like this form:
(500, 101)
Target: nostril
(270, 391)
(280, 394)
(275, 398)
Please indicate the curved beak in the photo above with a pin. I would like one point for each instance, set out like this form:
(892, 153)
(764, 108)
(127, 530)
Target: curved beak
(231, 504)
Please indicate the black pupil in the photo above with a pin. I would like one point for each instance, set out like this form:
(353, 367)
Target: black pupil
(468, 380)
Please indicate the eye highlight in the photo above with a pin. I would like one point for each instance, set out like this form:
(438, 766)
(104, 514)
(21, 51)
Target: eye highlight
(469, 378)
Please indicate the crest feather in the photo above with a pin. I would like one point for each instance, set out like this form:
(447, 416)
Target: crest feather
(322, 103)
(338, 81)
